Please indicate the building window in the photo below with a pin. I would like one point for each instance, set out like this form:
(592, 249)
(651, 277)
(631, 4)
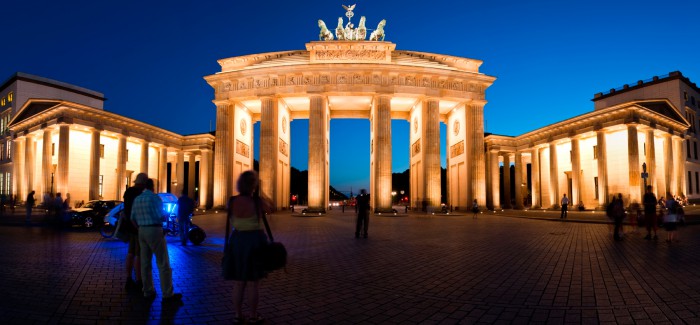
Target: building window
(687, 144)
(10, 97)
(2, 101)
(595, 186)
(644, 148)
(2, 184)
(571, 156)
(595, 152)
(127, 159)
(695, 149)
(690, 182)
(8, 185)
(102, 151)
(685, 95)
(99, 186)
(692, 100)
(9, 149)
(697, 183)
(53, 149)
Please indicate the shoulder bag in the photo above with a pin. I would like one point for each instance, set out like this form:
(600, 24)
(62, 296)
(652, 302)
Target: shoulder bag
(273, 255)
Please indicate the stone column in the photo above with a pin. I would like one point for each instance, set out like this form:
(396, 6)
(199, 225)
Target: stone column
(495, 179)
(668, 172)
(144, 157)
(477, 165)
(553, 175)
(190, 176)
(602, 169)
(29, 154)
(180, 173)
(163, 170)
(678, 168)
(535, 168)
(506, 181)
(20, 181)
(47, 163)
(431, 151)
(63, 159)
(518, 180)
(318, 120)
(636, 190)
(651, 160)
(223, 155)
(204, 182)
(381, 193)
(268, 147)
(94, 178)
(575, 173)
(121, 166)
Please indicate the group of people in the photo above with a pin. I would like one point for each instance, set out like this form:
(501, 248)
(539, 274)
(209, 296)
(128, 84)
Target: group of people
(669, 212)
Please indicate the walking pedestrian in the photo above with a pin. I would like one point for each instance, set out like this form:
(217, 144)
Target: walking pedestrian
(185, 208)
(244, 213)
(362, 214)
(29, 204)
(133, 260)
(650, 213)
(146, 215)
(475, 209)
(564, 207)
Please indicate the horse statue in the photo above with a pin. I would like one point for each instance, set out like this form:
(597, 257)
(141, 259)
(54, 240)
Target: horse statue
(361, 31)
(378, 34)
(340, 31)
(325, 34)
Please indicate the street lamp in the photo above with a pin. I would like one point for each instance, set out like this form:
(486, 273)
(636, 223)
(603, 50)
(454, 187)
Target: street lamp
(393, 194)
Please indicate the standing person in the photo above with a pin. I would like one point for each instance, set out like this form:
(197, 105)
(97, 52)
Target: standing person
(671, 218)
(362, 214)
(649, 202)
(133, 260)
(475, 208)
(58, 208)
(29, 203)
(244, 213)
(146, 216)
(618, 214)
(185, 208)
(564, 207)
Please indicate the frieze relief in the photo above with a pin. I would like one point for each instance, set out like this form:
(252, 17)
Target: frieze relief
(283, 148)
(457, 149)
(356, 79)
(242, 149)
(415, 148)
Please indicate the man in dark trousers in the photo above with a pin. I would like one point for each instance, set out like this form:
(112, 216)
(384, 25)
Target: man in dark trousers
(362, 204)
(132, 255)
(185, 208)
(650, 213)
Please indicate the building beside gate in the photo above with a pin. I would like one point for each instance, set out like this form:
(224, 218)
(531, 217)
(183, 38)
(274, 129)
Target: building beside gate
(636, 135)
(57, 138)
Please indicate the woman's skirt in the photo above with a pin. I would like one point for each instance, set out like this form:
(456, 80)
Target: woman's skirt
(243, 262)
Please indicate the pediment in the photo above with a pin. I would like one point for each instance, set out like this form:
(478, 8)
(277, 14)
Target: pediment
(31, 108)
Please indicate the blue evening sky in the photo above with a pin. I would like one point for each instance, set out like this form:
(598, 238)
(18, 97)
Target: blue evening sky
(550, 57)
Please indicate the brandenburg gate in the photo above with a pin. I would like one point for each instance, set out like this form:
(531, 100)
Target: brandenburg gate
(350, 77)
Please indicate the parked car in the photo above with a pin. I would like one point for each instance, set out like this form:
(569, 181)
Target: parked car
(91, 214)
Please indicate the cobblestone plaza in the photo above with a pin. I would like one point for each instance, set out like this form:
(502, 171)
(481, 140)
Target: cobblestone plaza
(510, 267)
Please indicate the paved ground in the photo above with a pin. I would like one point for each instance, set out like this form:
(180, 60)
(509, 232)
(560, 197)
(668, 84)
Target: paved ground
(507, 267)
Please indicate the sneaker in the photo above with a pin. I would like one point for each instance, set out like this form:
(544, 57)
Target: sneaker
(173, 298)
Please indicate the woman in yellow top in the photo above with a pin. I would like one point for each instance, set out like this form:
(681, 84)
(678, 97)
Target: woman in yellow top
(244, 211)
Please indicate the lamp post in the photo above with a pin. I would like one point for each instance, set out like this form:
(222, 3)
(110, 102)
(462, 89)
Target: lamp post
(393, 194)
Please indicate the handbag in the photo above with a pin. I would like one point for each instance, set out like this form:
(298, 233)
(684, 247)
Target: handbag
(273, 255)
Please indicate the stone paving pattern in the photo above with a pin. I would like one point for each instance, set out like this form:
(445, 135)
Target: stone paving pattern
(510, 267)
